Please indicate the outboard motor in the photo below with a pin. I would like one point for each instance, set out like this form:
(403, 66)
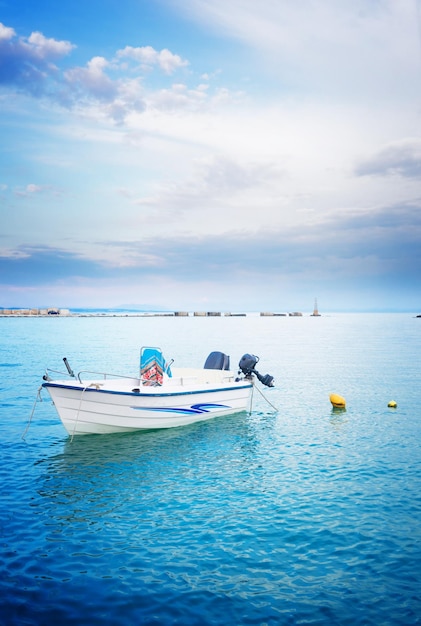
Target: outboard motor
(247, 364)
(217, 361)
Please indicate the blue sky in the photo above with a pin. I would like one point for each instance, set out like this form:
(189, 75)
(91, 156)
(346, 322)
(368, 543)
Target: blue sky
(210, 155)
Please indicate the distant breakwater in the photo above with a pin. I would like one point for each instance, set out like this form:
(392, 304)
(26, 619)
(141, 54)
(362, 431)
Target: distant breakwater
(56, 312)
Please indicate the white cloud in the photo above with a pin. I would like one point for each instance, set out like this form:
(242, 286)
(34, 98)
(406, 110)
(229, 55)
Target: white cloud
(30, 190)
(14, 254)
(200, 172)
(92, 80)
(147, 56)
(27, 63)
(47, 49)
(351, 50)
(6, 33)
(402, 158)
(103, 88)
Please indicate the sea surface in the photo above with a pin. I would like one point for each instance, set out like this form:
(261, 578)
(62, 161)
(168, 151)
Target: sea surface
(294, 514)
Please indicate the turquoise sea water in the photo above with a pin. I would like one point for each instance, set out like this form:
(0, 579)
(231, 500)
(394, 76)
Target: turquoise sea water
(301, 516)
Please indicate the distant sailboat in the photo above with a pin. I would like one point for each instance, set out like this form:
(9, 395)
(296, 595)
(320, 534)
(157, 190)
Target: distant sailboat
(316, 310)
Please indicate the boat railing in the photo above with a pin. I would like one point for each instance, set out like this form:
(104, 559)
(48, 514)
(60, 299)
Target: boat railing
(49, 371)
(104, 375)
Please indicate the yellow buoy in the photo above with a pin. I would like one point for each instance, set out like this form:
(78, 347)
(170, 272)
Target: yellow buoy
(337, 401)
(392, 404)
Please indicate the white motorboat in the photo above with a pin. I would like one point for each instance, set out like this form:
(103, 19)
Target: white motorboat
(160, 397)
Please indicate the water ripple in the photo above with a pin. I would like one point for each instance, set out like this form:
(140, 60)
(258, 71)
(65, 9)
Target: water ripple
(306, 516)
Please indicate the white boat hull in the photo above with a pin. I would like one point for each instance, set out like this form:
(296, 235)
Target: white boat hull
(111, 406)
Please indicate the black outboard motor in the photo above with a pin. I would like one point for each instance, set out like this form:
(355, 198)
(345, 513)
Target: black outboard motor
(247, 364)
(217, 361)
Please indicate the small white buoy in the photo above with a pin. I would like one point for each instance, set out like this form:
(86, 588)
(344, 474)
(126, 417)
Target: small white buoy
(338, 402)
(392, 404)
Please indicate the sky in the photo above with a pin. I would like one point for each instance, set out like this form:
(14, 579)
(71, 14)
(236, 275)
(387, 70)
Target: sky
(205, 155)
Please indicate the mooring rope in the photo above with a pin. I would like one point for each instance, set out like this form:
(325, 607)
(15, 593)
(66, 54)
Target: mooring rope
(37, 399)
(251, 399)
(264, 397)
(78, 411)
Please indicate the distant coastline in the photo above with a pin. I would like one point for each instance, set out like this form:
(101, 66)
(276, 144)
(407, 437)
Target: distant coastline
(58, 312)
(123, 312)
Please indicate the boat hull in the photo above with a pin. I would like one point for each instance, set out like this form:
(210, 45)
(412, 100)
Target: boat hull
(93, 409)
